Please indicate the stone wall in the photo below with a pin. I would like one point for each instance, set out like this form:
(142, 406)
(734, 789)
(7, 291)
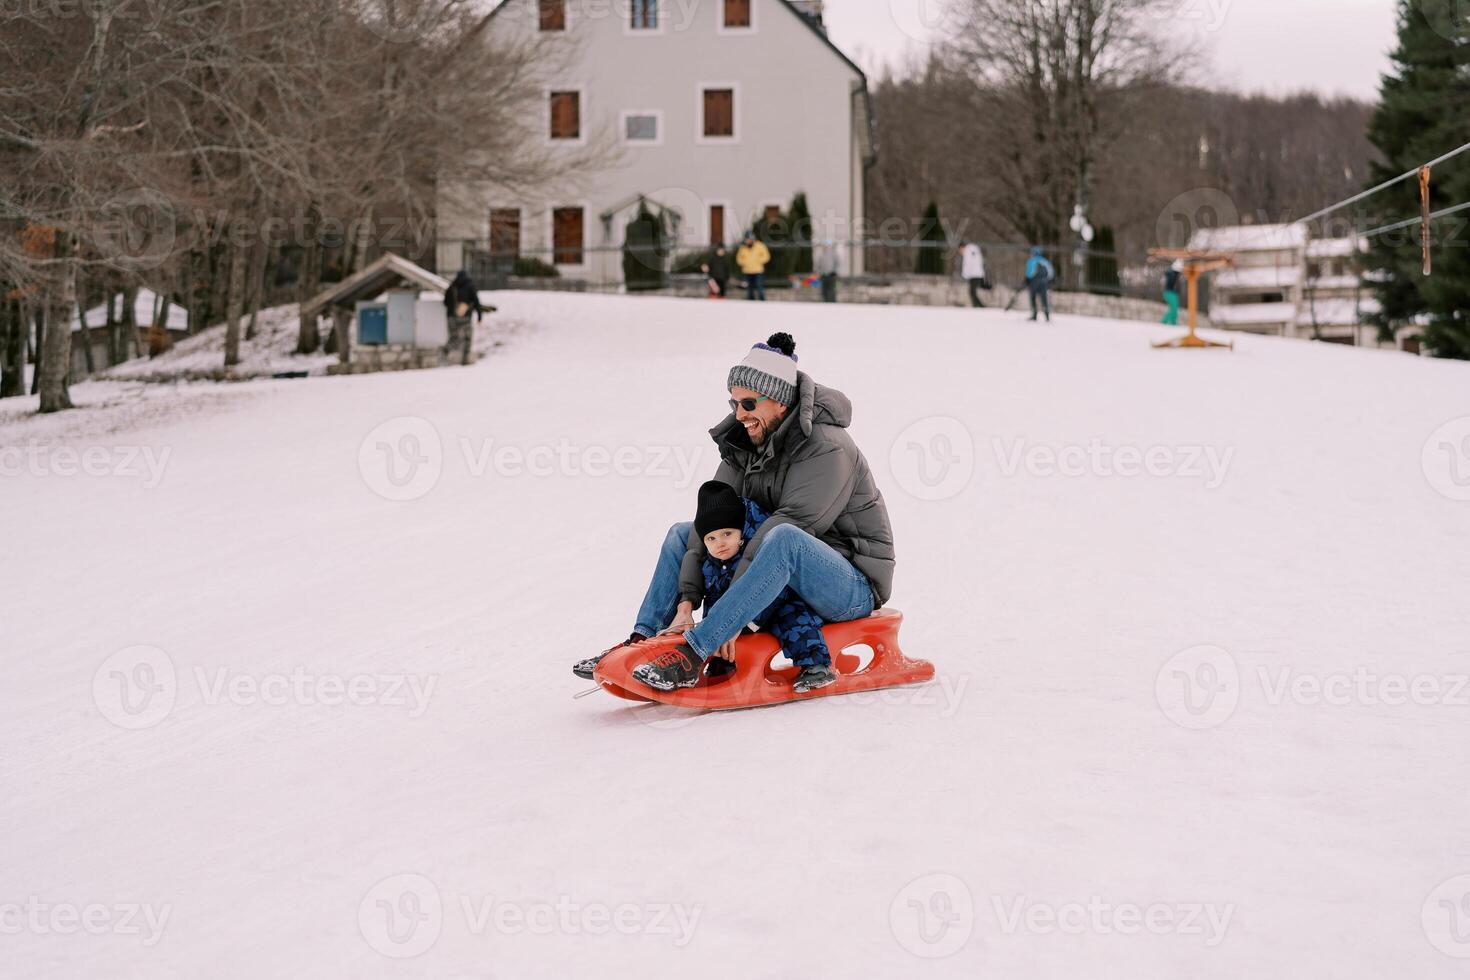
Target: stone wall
(890, 291)
(939, 291)
(369, 360)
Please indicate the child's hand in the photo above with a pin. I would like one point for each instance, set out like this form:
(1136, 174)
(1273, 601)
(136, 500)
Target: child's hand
(681, 624)
(727, 650)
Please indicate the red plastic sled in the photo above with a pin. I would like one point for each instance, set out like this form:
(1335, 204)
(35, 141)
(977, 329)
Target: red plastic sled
(757, 681)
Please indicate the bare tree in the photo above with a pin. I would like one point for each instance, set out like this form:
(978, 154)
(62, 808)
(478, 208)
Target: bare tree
(1053, 84)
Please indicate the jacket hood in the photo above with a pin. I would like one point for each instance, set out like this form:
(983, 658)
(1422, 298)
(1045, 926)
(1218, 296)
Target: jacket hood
(815, 405)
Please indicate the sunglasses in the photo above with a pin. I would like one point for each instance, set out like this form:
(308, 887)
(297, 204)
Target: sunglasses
(748, 404)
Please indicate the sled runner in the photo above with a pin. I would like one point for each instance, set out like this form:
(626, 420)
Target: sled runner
(757, 681)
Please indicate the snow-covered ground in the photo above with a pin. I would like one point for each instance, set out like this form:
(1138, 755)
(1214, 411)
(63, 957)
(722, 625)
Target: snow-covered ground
(271, 350)
(286, 686)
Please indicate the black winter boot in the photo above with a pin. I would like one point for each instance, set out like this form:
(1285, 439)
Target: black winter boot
(584, 668)
(675, 668)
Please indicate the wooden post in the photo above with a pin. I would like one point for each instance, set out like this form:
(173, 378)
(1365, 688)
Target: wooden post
(1195, 265)
(342, 325)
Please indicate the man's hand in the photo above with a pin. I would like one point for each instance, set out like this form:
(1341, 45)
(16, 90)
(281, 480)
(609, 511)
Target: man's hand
(726, 650)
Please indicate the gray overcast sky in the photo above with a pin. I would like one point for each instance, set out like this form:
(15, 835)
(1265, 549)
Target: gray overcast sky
(1329, 46)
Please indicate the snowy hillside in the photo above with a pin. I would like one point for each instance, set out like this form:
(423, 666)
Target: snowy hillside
(286, 687)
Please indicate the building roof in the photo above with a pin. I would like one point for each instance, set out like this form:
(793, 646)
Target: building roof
(1244, 238)
(386, 272)
(143, 309)
(1235, 314)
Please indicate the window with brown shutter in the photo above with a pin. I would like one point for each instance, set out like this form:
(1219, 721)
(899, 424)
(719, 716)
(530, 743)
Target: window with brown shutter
(566, 115)
(566, 236)
(719, 112)
(716, 224)
(553, 15)
(505, 232)
(737, 13)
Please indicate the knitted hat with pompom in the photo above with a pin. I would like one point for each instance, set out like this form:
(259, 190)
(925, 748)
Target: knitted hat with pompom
(769, 369)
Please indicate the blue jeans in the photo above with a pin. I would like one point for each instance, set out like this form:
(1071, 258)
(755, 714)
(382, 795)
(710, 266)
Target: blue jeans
(755, 285)
(830, 584)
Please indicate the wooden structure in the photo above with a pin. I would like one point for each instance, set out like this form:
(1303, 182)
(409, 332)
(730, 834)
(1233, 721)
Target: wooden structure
(1196, 264)
(341, 298)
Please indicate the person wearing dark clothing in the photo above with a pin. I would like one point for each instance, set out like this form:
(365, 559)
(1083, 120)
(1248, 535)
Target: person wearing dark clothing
(460, 300)
(828, 260)
(1039, 274)
(1171, 292)
(717, 271)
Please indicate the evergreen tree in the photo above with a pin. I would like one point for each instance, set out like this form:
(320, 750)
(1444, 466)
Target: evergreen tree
(1421, 114)
(931, 243)
(1102, 263)
(801, 234)
(644, 251)
(777, 235)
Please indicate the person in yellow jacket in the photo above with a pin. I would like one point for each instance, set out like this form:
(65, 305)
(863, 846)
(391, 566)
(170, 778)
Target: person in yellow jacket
(752, 259)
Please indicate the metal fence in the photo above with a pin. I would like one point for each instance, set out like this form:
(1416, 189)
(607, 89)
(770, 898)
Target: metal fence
(614, 268)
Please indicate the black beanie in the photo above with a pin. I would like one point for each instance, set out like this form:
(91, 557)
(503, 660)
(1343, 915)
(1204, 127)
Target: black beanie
(719, 507)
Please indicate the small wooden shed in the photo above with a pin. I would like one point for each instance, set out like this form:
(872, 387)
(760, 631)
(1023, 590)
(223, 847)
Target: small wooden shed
(343, 298)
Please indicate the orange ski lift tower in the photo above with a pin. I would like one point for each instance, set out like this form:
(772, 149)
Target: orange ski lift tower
(1196, 264)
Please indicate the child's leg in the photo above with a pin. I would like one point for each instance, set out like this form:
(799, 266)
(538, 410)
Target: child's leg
(791, 621)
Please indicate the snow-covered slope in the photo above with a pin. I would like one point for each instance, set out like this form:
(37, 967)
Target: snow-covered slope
(1123, 771)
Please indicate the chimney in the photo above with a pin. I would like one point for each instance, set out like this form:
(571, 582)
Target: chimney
(811, 10)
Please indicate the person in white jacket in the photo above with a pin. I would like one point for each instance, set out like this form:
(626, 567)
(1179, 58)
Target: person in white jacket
(972, 267)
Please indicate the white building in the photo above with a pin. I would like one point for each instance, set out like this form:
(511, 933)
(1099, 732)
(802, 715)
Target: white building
(1335, 299)
(1262, 291)
(147, 306)
(1288, 284)
(718, 112)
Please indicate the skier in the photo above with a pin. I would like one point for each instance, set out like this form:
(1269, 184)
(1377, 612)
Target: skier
(785, 446)
(972, 268)
(1039, 274)
(726, 523)
(717, 272)
(460, 299)
(752, 257)
(1171, 292)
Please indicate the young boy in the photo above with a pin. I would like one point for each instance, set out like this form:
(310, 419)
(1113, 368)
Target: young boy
(726, 522)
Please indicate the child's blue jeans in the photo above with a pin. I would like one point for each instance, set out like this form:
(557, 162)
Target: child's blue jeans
(833, 588)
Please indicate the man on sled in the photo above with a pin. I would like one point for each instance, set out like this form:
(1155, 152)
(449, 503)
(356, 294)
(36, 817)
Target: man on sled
(784, 447)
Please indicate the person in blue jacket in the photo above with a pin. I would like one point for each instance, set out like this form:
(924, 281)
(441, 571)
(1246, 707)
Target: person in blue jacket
(1039, 274)
(727, 522)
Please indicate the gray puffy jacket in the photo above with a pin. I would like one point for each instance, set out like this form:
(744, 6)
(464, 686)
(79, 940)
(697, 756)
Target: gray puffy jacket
(809, 473)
